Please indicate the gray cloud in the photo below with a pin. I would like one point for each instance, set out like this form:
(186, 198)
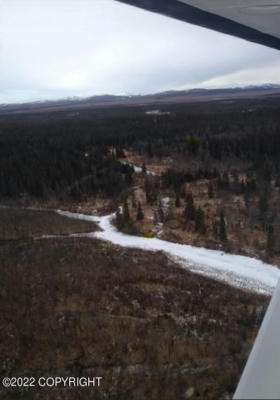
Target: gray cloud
(52, 49)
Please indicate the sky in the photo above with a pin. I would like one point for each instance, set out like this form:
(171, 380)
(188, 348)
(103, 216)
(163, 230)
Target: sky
(53, 49)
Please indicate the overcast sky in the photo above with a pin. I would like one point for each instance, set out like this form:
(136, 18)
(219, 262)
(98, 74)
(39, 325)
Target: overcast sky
(58, 48)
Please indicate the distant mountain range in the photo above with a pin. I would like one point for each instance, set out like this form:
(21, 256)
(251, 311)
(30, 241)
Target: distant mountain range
(172, 96)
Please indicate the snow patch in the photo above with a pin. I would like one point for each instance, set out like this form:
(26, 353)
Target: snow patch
(157, 112)
(236, 270)
(165, 202)
(138, 170)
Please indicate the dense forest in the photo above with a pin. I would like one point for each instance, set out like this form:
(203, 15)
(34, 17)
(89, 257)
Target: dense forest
(61, 155)
(234, 146)
(45, 159)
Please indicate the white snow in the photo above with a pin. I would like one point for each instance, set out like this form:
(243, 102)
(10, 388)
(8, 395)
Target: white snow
(165, 202)
(138, 170)
(240, 271)
(157, 112)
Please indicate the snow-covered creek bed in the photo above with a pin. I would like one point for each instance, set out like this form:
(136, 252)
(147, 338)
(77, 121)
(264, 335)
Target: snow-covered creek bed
(239, 271)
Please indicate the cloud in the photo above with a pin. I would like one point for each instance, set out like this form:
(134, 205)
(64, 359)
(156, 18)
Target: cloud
(52, 49)
(249, 76)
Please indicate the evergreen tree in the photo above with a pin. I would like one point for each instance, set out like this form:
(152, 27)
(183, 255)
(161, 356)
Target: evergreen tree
(150, 150)
(161, 216)
(263, 206)
(216, 230)
(119, 152)
(170, 211)
(222, 228)
(148, 191)
(226, 181)
(270, 241)
(182, 191)
(223, 181)
(155, 217)
(119, 219)
(177, 201)
(190, 208)
(128, 178)
(140, 215)
(247, 195)
(76, 193)
(210, 191)
(126, 215)
(133, 201)
(199, 221)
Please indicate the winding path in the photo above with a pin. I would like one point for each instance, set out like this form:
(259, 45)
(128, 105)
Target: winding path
(239, 271)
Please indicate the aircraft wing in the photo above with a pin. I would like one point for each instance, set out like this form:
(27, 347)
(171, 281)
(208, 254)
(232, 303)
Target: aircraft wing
(254, 20)
(261, 376)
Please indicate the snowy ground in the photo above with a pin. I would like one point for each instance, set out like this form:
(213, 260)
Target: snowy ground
(240, 271)
(157, 112)
(139, 170)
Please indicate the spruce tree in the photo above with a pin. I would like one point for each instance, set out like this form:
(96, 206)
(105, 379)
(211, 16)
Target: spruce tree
(119, 219)
(190, 208)
(155, 217)
(119, 152)
(270, 241)
(133, 201)
(226, 182)
(161, 216)
(216, 230)
(170, 211)
(128, 178)
(199, 221)
(263, 207)
(76, 192)
(222, 228)
(150, 150)
(140, 215)
(177, 201)
(210, 191)
(148, 191)
(126, 215)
